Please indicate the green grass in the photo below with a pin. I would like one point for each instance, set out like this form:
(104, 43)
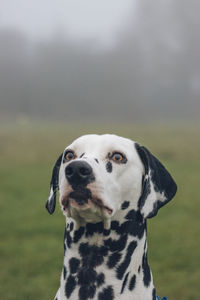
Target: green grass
(31, 241)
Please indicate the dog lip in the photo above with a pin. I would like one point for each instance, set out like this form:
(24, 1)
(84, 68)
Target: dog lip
(110, 211)
(99, 203)
(82, 197)
(80, 194)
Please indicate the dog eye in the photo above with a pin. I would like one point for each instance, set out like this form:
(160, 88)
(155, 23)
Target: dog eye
(69, 155)
(118, 157)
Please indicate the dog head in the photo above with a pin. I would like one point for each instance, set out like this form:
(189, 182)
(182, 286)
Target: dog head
(97, 173)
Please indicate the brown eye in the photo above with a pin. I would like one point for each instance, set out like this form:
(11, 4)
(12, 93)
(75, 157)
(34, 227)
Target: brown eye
(69, 155)
(118, 157)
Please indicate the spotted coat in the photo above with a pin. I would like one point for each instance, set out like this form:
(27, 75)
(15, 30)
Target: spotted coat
(109, 187)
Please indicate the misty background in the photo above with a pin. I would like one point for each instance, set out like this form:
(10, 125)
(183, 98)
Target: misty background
(100, 60)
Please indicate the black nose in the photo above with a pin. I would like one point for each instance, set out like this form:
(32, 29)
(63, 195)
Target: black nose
(79, 173)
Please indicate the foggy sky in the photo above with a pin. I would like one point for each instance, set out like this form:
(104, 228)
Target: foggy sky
(79, 18)
(151, 72)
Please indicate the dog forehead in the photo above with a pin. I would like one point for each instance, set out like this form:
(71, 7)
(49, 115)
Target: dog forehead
(101, 144)
(98, 142)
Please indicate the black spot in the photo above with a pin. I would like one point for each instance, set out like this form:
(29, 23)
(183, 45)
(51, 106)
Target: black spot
(145, 245)
(87, 292)
(82, 155)
(70, 286)
(74, 264)
(106, 232)
(113, 259)
(98, 255)
(92, 228)
(135, 225)
(78, 234)
(134, 216)
(124, 265)
(96, 160)
(92, 256)
(154, 294)
(87, 276)
(146, 271)
(64, 272)
(106, 294)
(132, 283)
(100, 279)
(124, 283)
(125, 205)
(109, 167)
(115, 225)
(134, 229)
(65, 248)
(71, 226)
(83, 249)
(68, 238)
(146, 190)
(139, 269)
(116, 245)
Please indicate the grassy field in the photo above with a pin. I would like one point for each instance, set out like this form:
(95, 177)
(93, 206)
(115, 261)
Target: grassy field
(31, 241)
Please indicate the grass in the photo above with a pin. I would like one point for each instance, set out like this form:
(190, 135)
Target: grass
(31, 246)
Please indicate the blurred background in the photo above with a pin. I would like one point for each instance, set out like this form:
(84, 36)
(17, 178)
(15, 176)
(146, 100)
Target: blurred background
(71, 67)
(71, 60)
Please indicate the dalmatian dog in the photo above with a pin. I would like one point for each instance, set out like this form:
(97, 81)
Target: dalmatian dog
(109, 186)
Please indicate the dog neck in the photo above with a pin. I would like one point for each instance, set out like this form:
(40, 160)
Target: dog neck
(107, 264)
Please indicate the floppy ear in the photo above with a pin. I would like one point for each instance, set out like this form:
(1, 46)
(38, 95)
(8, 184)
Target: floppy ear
(158, 186)
(51, 202)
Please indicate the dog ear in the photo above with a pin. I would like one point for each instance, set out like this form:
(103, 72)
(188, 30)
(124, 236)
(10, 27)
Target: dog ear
(51, 202)
(158, 185)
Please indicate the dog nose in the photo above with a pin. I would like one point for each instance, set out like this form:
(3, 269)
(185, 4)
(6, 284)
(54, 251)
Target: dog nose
(79, 173)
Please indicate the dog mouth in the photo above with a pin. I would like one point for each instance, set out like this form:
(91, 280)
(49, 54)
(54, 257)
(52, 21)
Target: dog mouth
(82, 199)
